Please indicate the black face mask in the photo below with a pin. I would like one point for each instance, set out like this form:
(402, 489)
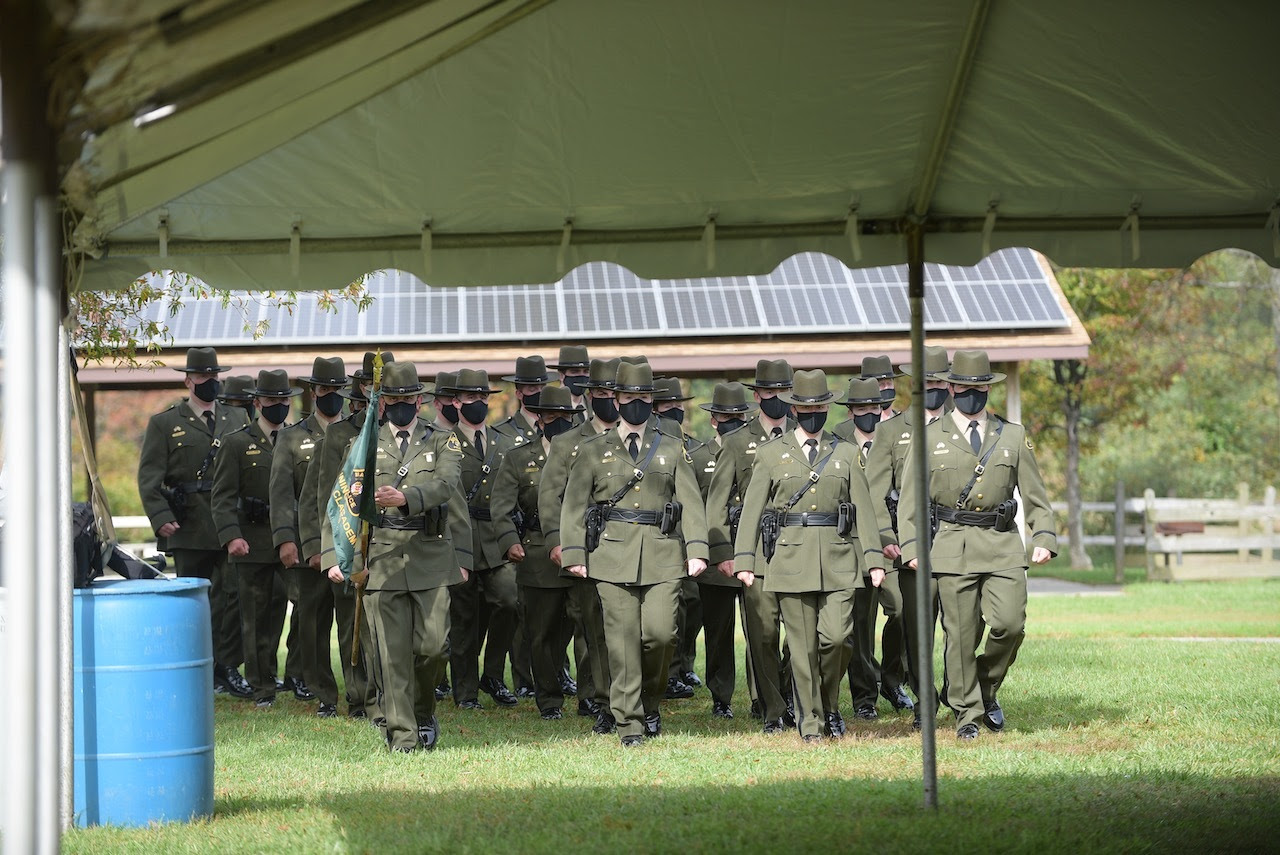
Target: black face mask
(971, 401)
(887, 396)
(775, 407)
(935, 399)
(867, 422)
(574, 384)
(729, 425)
(811, 422)
(401, 413)
(555, 427)
(275, 413)
(676, 414)
(636, 412)
(475, 412)
(329, 405)
(208, 390)
(531, 400)
(605, 409)
(449, 411)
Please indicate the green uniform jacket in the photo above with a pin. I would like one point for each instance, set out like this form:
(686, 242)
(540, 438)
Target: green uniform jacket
(296, 446)
(555, 478)
(812, 558)
(963, 549)
(884, 469)
(174, 447)
(730, 481)
(516, 485)
(632, 554)
(518, 429)
(477, 479)
(242, 470)
(419, 560)
(704, 469)
(329, 454)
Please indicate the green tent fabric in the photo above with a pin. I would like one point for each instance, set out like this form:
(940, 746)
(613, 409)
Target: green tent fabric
(504, 142)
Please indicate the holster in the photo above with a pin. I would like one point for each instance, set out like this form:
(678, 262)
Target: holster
(254, 510)
(891, 502)
(769, 530)
(846, 519)
(671, 515)
(176, 498)
(1006, 515)
(595, 526)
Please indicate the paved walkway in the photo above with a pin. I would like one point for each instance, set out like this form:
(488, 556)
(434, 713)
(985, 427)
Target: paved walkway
(1041, 585)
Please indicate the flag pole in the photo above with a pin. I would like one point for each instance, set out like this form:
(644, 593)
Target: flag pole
(361, 578)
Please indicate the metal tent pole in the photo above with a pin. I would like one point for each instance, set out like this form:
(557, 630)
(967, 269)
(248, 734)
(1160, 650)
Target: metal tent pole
(920, 462)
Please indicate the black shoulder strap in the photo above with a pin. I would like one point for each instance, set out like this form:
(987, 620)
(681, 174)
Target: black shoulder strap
(213, 452)
(485, 469)
(981, 467)
(637, 474)
(813, 476)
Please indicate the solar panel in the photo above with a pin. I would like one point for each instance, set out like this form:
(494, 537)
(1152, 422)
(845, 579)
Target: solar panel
(808, 293)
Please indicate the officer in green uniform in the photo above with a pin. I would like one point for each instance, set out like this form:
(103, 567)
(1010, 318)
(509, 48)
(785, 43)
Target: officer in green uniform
(721, 595)
(761, 619)
(823, 540)
(544, 590)
(295, 449)
(530, 378)
(976, 460)
(242, 514)
(668, 406)
(584, 602)
(483, 610)
(880, 369)
(361, 690)
(419, 547)
(646, 546)
(885, 466)
(866, 675)
(574, 367)
(237, 391)
(175, 479)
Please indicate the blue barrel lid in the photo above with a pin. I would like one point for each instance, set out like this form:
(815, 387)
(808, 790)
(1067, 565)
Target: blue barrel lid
(118, 587)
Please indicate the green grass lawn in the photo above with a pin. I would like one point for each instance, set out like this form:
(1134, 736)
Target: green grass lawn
(1119, 739)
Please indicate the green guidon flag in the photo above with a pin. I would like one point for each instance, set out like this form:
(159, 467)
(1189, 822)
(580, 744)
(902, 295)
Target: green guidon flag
(351, 500)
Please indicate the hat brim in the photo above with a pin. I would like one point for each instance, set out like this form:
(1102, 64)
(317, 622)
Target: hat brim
(324, 381)
(291, 392)
(658, 400)
(213, 369)
(539, 410)
(458, 390)
(930, 375)
(985, 380)
(829, 398)
(776, 387)
(728, 409)
(527, 381)
(635, 390)
(565, 366)
(859, 402)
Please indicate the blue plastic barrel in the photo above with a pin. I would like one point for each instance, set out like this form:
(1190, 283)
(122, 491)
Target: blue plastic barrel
(143, 690)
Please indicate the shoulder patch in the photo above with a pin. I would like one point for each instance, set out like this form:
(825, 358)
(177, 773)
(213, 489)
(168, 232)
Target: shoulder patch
(452, 443)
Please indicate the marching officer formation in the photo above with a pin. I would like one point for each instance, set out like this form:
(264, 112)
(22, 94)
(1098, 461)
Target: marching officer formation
(590, 535)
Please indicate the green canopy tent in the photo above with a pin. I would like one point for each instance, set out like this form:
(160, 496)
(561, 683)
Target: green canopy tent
(301, 143)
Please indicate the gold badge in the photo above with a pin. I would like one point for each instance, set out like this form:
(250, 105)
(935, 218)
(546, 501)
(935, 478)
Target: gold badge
(452, 443)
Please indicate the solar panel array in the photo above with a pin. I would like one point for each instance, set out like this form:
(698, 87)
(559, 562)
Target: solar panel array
(807, 294)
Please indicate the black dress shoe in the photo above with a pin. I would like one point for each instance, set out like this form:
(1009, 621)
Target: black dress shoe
(469, 705)
(776, 725)
(605, 723)
(588, 708)
(300, 689)
(235, 683)
(915, 719)
(429, 733)
(568, 685)
(719, 709)
(835, 725)
(551, 714)
(525, 692)
(263, 703)
(652, 725)
(632, 741)
(691, 678)
(442, 690)
(678, 690)
(993, 717)
(755, 711)
(282, 686)
(813, 738)
(788, 719)
(867, 712)
(897, 697)
(967, 732)
(497, 690)
(357, 714)
(327, 711)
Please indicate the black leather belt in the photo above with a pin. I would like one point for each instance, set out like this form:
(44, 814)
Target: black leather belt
(196, 486)
(402, 523)
(638, 517)
(533, 523)
(809, 518)
(981, 519)
(481, 514)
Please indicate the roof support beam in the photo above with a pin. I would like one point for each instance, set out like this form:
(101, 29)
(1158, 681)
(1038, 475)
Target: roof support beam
(937, 152)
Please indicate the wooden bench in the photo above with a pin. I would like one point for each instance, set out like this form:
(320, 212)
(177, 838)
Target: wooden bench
(1211, 538)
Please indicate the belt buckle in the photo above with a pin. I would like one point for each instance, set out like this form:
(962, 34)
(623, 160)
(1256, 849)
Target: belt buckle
(814, 476)
(804, 518)
(403, 470)
(638, 473)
